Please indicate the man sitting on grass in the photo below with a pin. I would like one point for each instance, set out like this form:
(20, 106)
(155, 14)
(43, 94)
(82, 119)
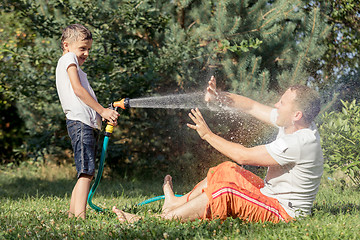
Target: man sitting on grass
(294, 161)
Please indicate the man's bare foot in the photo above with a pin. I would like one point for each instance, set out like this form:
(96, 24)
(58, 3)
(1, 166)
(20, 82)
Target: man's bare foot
(168, 180)
(124, 216)
(169, 203)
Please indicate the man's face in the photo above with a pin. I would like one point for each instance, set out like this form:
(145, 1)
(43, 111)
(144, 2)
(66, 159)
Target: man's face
(80, 48)
(286, 109)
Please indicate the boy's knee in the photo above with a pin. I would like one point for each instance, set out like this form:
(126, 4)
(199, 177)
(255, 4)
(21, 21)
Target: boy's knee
(86, 176)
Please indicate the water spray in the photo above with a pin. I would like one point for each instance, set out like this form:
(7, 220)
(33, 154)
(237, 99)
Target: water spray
(124, 104)
(175, 101)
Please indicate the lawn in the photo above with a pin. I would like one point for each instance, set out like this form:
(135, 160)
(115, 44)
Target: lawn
(34, 201)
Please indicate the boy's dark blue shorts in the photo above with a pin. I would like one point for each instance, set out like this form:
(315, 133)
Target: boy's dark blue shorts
(84, 143)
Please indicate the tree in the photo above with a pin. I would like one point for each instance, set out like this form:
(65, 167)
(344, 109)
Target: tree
(343, 41)
(122, 59)
(340, 65)
(12, 129)
(255, 48)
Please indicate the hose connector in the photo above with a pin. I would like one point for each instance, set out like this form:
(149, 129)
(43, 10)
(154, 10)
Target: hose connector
(123, 103)
(109, 129)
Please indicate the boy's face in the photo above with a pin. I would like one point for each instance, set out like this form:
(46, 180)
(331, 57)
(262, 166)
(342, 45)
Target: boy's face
(80, 48)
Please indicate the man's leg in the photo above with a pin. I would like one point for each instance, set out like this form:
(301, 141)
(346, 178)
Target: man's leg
(171, 201)
(191, 210)
(124, 216)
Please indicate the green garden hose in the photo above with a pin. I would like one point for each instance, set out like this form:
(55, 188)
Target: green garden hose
(108, 131)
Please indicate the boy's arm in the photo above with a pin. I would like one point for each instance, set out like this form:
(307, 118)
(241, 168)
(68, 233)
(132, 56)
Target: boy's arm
(80, 91)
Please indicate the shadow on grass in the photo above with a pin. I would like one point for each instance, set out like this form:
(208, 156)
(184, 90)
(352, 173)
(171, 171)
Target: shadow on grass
(337, 208)
(16, 188)
(20, 187)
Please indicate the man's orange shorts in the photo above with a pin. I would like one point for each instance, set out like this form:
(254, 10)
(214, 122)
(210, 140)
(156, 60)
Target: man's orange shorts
(235, 192)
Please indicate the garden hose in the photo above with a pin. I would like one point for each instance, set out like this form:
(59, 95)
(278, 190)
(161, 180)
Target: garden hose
(124, 104)
(150, 200)
(108, 131)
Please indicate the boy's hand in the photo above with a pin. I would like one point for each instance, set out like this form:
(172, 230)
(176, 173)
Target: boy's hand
(110, 115)
(211, 92)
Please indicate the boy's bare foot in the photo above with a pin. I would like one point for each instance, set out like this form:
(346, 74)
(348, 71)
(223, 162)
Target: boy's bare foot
(124, 216)
(169, 203)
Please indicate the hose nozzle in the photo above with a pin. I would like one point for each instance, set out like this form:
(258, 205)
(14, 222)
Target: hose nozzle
(123, 103)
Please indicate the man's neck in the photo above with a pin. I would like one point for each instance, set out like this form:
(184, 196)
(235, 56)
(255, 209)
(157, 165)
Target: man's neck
(295, 127)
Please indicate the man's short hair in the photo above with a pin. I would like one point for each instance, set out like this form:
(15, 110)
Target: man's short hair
(75, 32)
(307, 101)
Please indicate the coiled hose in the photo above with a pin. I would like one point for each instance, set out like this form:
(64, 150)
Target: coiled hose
(108, 131)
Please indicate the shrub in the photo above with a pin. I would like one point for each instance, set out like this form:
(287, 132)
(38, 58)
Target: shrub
(340, 136)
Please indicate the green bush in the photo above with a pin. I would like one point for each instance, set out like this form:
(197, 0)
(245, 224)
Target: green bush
(340, 135)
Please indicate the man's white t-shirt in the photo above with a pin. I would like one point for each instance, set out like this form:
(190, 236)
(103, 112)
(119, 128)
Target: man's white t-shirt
(295, 181)
(73, 107)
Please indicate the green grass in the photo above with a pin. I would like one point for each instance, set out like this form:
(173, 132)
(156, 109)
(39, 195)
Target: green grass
(34, 202)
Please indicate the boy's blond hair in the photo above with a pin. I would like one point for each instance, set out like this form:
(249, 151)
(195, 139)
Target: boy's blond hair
(75, 32)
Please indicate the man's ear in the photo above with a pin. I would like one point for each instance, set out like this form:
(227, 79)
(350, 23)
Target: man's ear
(298, 115)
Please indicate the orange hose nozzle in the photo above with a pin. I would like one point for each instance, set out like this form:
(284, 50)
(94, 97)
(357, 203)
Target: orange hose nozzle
(123, 103)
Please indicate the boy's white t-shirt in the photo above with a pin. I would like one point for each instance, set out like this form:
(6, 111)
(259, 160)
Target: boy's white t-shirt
(295, 181)
(73, 107)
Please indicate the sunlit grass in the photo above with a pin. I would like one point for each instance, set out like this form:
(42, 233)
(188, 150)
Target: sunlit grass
(34, 201)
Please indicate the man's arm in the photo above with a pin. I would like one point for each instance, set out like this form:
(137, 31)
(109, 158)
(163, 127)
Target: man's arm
(255, 156)
(244, 104)
(81, 92)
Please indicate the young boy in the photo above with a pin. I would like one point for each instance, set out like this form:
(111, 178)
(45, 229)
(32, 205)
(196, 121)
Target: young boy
(82, 110)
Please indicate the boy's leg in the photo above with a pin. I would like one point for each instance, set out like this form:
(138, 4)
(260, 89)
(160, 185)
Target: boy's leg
(171, 201)
(84, 143)
(72, 202)
(81, 192)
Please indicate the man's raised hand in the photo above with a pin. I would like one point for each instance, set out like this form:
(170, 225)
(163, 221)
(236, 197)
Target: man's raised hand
(211, 92)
